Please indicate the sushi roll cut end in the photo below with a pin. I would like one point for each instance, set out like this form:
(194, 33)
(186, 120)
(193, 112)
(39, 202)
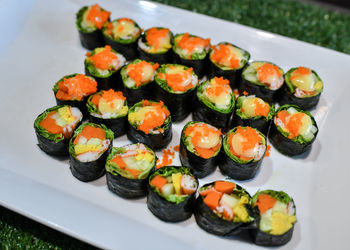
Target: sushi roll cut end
(138, 73)
(156, 40)
(92, 18)
(122, 30)
(228, 57)
(191, 47)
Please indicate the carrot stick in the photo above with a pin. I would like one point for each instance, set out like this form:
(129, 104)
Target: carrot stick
(224, 186)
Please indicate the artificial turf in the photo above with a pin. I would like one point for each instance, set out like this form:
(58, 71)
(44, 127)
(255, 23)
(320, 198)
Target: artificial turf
(289, 18)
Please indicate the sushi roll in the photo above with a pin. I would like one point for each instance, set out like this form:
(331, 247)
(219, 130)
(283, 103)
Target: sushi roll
(111, 109)
(227, 60)
(303, 88)
(263, 79)
(90, 20)
(215, 102)
(172, 193)
(54, 127)
(138, 80)
(88, 151)
(244, 150)
(155, 45)
(122, 34)
(104, 64)
(149, 122)
(73, 90)
(223, 208)
(254, 112)
(199, 148)
(176, 87)
(128, 168)
(191, 51)
(293, 130)
(277, 218)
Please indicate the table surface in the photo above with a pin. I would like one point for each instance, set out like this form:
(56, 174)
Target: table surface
(289, 18)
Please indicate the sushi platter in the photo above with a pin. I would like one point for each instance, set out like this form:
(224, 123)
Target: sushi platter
(44, 45)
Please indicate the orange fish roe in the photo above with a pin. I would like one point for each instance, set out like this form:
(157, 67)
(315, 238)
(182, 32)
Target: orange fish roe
(91, 132)
(177, 148)
(121, 164)
(294, 123)
(175, 81)
(252, 138)
(50, 125)
(98, 16)
(104, 60)
(245, 93)
(283, 116)
(135, 71)
(261, 108)
(221, 54)
(155, 35)
(111, 95)
(167, 157)
(198, 131)
(75, 88)
(221, 80)
(189, 43)
(217, 90)
(268, 149)
(154, 118)
(299, 72)
(267, 70)
(236, 92)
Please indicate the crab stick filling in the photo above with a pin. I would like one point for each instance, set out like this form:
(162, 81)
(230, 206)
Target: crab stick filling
(109, 103)
(135, 160)
(123, 28)
(157, 40)
(76, 88)
(253, 106)
(62, 121)
(140, 73)
(105, 60)
(219, 92)
(222, 200)
(149, 117)
(188, 45)
(305, 81)
(276, 217)
(227, 55)
(179, 78)
(177, 184)
(295, 123)
(247, 144)
(204, 138)
(95, 16)
(90, 144)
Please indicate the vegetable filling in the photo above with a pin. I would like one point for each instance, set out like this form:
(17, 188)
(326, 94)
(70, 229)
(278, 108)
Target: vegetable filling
(123, 30)
(157, 40)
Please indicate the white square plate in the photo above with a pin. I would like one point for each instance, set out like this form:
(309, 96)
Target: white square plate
(42, 45)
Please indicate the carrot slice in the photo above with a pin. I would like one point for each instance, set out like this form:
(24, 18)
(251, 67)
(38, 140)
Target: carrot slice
(265, 202)
(159, 181)
(50, 125)
(91, 132)
(224, 186)
(212, 199)
(95, 99)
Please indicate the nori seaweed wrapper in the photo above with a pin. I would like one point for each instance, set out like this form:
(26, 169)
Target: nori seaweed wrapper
(80, 104)
(92, 170)
(286, 97)
(52, 144)
(201, 167)
(88, 39)
(288, 146)
(233, 75)
(166, 210)
(123, 186)
(154, 141)
(180, 104)
(206, 111)
(260, 91)
(114, 81)
(261, 123)
(161, 58)
(266, 239)
(288, 92)
(212, 223)
(125, 46)
(135, 94)
(233, 166)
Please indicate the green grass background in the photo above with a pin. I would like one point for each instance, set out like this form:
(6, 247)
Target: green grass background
(289, 18)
